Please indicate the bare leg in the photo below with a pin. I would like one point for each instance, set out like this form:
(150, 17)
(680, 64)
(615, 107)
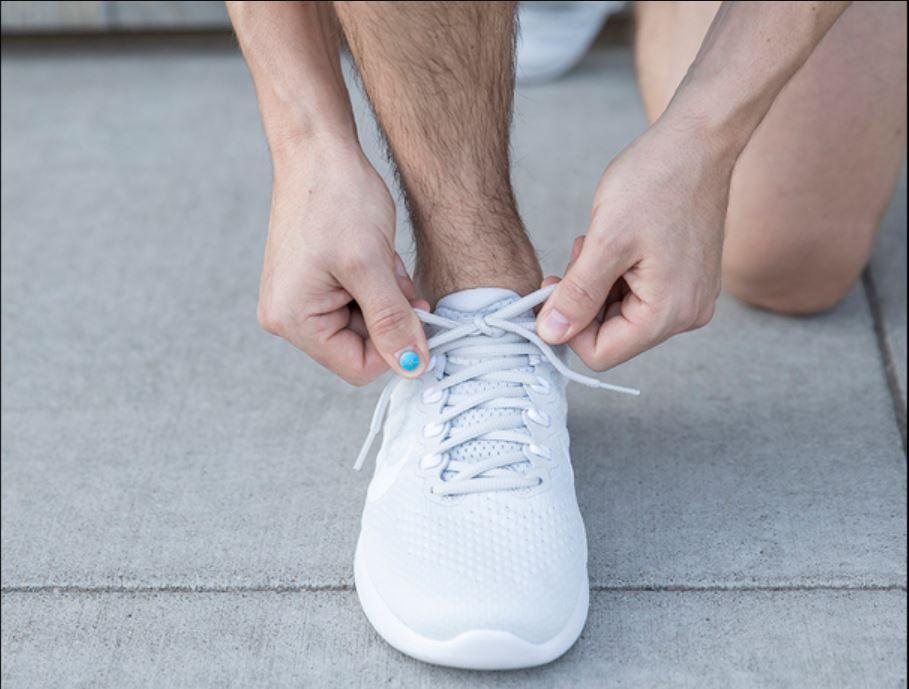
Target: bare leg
(809, 190)
(440, 77)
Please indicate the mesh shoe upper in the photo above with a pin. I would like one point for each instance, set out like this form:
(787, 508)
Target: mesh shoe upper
(511, 559)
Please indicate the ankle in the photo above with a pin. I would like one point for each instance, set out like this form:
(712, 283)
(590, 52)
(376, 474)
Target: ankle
(472, 259)
(433, 289)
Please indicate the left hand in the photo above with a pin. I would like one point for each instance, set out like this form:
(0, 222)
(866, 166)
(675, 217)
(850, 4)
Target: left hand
(649, 266)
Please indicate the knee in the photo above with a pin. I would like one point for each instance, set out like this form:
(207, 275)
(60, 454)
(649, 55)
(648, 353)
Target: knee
(792, 301)
(798, 276)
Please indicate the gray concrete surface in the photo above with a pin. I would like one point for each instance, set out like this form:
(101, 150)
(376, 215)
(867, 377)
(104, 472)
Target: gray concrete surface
(703, 640)
(184, 478)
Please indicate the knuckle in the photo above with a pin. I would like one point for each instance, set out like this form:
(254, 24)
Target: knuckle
(685, 316)
(316, 329)
(357, 258)
(354, 261)
(661, 321)
(616, 243)
(595, 238)
(579, 294)
(696, 311)
(385, 320)
(705, 316)
(271, 320)
(600, 244)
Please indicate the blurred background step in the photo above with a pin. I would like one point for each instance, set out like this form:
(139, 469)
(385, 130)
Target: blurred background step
(87, 16)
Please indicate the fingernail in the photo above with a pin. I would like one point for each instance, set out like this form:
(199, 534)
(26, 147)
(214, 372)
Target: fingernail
(409, 360)
(554, 325)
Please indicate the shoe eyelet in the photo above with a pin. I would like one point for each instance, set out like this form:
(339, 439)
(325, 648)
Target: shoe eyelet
(431, 430)
(428, 462)
(539, 451)
(431, 396)
(542, 386)
(539, 417)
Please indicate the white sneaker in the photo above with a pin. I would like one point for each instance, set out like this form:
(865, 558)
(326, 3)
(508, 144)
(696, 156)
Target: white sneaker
(472, 551)
(554, 36)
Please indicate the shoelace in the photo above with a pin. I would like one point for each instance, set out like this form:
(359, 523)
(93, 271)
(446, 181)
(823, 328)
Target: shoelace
(504, 346)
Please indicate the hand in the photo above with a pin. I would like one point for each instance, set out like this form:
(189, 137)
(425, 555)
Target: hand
(332, 284)
(649, 266)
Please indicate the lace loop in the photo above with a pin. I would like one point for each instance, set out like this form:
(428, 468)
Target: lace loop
(504, 344)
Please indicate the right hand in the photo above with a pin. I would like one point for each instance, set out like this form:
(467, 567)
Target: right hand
(332, 284)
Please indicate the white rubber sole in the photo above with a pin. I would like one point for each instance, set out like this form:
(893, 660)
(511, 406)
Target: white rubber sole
(479, 649)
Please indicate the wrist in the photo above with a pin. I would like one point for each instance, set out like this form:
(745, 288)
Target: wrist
(718, 107)
(294, 134)
(718, 132)
(293, 150)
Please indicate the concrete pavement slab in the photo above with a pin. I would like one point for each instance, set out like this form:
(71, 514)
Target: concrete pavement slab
(153, 436)
(728, 640)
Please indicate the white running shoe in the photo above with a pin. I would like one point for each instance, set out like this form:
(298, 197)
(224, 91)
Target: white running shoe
(472, 551)
(554, 36)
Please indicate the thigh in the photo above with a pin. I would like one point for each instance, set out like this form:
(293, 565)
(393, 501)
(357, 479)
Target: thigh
(810, 188)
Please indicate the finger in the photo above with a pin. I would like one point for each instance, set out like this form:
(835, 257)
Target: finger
(404, 280)
(576, 247)
(614, 299)
(628, 330)
(579, 295)
(394, 328)
(613, 310)
(332, 340)
(357, 324)
(552, 280)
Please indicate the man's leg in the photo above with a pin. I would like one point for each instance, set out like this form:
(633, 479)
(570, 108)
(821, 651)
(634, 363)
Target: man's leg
(809, 190)
(440, 77)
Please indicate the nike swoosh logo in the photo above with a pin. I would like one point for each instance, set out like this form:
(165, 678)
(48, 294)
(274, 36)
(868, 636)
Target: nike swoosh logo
(384, 478)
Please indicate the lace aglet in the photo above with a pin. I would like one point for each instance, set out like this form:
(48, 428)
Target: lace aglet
(619, 388)
(367, 445)
(364, 451)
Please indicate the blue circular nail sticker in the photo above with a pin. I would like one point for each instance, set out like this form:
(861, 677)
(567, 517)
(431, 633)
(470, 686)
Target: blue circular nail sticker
(409, 360)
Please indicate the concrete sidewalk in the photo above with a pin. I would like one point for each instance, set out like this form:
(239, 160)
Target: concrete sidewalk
(178, 508)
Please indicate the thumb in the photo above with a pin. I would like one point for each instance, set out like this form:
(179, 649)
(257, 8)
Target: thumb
(393, 327)
(579, 296)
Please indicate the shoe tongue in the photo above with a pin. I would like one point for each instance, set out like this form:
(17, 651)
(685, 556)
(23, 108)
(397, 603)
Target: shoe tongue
(468, 302)
(460, 306)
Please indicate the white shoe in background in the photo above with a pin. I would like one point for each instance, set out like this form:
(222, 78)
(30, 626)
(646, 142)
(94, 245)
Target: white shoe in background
(554, 36)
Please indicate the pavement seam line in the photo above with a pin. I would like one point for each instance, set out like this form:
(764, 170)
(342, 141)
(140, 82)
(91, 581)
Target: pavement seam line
(345, 588)
(883, 343)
